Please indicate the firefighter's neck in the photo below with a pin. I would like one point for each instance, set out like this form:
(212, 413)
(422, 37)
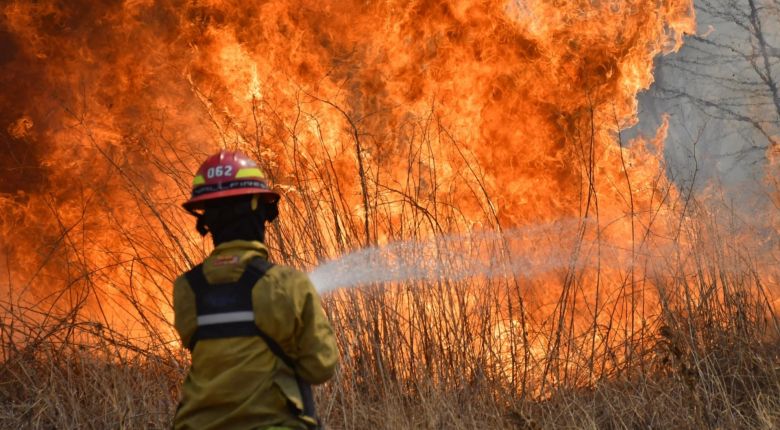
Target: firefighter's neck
(239, 231)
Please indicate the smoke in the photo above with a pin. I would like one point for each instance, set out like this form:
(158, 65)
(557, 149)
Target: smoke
(717, 94)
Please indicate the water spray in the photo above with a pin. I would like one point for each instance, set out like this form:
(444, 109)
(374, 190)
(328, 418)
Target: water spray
(527, 252)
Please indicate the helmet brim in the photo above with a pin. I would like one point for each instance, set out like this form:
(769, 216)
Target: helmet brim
(196, 203)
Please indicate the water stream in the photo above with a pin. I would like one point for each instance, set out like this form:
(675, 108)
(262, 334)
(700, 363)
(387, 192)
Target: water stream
(526, 252)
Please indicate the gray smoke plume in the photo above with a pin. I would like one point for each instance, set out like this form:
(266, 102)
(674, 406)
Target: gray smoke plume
(720, 94)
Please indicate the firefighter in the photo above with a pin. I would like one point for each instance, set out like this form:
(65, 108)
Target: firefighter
(256, 331)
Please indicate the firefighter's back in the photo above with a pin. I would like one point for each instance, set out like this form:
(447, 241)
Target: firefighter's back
(238, 382)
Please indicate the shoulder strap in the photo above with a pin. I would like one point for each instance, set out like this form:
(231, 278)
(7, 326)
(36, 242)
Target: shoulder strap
(196, 279)
(256, 267)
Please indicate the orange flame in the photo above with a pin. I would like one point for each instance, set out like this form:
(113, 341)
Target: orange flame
(379, 121)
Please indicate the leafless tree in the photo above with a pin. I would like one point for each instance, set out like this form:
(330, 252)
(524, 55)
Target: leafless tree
(725, 80)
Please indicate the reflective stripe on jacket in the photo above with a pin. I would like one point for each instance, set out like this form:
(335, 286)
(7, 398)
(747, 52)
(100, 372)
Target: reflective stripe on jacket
(238, 383)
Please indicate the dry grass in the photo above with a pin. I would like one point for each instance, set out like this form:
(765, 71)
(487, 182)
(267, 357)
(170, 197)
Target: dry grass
(707, 359)
(733, 382)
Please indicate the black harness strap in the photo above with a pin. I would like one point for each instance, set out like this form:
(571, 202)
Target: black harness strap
(234, 298)
(307, 394)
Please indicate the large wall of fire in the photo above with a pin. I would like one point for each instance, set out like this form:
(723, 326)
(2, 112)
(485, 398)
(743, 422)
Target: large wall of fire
(481, 114)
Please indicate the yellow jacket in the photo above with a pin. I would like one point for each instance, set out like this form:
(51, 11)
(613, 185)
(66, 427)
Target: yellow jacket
(237, 382)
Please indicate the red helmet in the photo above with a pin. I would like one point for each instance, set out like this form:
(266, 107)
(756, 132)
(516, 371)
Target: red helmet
(228, 174)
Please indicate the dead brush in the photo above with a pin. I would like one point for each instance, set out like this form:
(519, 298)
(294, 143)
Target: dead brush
(428, 355)
(76, 375)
